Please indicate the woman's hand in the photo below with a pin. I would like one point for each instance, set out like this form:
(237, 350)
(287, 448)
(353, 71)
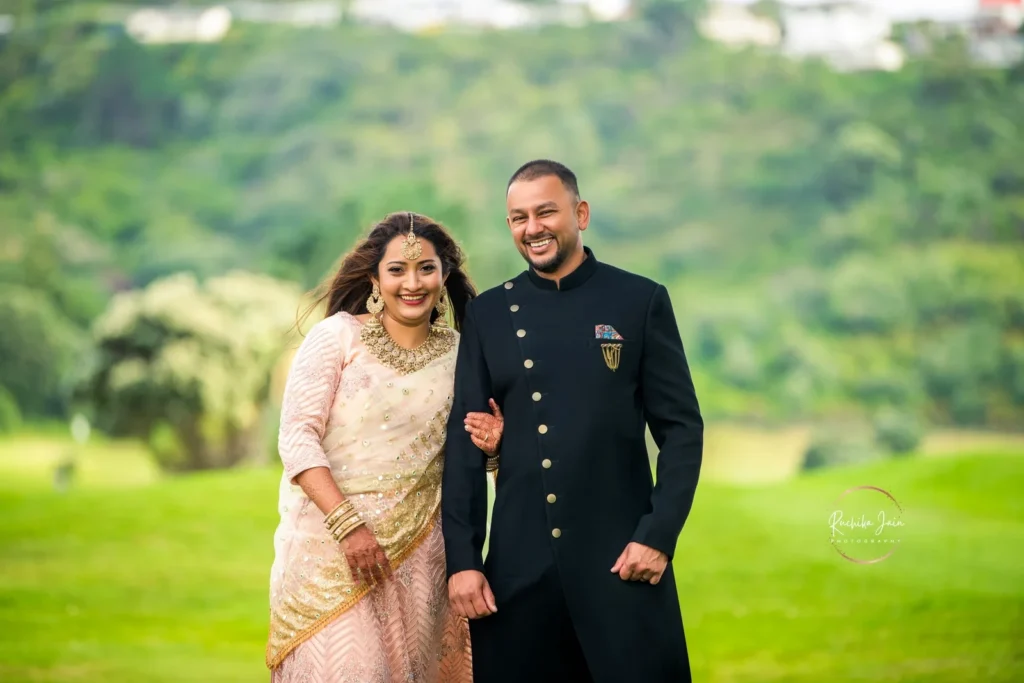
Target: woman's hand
(365, 556)
(485, 430)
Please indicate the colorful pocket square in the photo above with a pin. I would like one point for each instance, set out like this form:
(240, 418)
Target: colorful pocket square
(606, 332)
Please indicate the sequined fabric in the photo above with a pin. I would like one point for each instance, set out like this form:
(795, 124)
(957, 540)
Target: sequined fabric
(402, 631)
(382, 435)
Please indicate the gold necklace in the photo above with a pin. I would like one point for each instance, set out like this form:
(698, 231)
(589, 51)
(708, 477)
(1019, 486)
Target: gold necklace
(385, 349)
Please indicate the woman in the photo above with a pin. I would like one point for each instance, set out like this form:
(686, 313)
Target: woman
(358, 583)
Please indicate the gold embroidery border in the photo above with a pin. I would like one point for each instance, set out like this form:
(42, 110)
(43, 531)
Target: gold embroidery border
(319, 624)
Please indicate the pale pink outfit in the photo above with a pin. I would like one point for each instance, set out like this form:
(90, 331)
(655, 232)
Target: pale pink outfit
(345, 410)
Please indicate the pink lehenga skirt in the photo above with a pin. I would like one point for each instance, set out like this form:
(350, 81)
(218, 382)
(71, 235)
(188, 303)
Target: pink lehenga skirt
(403, 630)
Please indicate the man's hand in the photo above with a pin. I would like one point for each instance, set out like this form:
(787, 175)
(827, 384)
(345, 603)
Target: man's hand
(471, 595)
(641, 563)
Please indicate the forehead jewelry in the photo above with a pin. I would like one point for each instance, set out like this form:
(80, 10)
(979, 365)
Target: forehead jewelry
(412, 249)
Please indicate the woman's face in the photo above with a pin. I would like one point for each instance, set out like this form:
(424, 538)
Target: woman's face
(410, 288)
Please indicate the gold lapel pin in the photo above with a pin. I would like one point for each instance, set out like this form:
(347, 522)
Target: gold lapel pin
(612, 353)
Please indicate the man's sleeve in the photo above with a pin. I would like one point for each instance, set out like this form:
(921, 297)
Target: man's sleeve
(464, 484)
(673, 415)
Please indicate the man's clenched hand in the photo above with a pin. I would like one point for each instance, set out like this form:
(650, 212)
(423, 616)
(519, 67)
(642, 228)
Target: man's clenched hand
(471, 595)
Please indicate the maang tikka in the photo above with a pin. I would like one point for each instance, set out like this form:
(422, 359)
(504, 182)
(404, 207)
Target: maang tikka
(412, 249)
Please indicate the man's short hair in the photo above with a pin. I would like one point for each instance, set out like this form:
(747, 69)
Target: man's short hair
(538, 168)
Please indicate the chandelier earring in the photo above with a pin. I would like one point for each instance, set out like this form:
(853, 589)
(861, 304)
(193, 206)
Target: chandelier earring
(375, 305)
(442, 309)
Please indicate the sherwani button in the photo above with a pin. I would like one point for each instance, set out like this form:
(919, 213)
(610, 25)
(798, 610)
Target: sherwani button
(545, 463)
(552, 498)
(557, 533)
(536, 396)
(520, 333)
(543, 429)
(528, 363)
(514, 307)
(508, 285)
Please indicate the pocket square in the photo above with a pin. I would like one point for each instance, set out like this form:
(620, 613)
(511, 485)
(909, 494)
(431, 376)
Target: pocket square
(606, 332)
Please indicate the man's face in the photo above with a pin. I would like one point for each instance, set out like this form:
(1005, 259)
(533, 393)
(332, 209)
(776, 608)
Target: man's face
(546, 220)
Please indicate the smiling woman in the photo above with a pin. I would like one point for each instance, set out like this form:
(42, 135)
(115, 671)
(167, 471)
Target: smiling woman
(357, 584)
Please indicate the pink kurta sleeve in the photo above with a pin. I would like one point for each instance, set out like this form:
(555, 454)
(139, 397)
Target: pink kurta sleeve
(309, 392)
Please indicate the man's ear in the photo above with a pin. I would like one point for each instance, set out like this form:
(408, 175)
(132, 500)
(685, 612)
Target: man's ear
(583, 214)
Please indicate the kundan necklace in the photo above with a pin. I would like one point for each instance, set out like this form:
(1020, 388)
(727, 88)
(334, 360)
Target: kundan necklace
(440, 340)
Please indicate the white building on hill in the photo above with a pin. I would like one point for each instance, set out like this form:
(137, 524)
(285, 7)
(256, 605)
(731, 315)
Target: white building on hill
(423, 15)
(155, 25)
(850, 35)
(308, 13)
(736, 25)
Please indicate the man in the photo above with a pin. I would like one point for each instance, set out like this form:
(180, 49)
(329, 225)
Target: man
(579, 355)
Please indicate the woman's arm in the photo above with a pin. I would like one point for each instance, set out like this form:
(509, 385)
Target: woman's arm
(312, 384)
(318, 484)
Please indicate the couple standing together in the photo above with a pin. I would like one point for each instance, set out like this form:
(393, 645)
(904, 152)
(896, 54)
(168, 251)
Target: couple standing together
(392, 420)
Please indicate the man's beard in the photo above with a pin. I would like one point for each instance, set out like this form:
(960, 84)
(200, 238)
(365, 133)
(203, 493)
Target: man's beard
(548, 267)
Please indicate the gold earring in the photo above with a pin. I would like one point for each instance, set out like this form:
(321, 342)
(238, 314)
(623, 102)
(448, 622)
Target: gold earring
(375, 304)
(442, 309)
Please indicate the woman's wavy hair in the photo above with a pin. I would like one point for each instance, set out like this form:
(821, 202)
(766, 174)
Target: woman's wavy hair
(349, 288)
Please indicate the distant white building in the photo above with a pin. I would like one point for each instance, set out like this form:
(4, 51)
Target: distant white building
(1009, 13)
(6, 23)
(737, 26)
(178, 24)
(609, 10)
(423, 15)
(311, 13)
(850, 35)
(995, 38)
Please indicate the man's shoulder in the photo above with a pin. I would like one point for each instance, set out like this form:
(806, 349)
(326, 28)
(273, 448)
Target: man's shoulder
(627, 281)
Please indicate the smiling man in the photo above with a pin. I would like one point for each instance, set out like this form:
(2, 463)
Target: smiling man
(580, 356)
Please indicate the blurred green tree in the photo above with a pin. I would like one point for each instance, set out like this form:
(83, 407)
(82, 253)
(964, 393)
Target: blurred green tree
(187, 366)
(39, 351)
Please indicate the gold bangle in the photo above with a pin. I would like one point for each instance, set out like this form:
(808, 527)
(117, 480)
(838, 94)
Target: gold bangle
(344, 521)
(340, 533)
(345, 531)
(337, 507)
(341, 510)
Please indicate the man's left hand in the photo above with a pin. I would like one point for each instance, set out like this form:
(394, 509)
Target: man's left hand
(641, 563)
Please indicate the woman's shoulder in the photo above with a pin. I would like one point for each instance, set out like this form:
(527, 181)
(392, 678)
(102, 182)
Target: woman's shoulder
(344, 318)
(340, 327)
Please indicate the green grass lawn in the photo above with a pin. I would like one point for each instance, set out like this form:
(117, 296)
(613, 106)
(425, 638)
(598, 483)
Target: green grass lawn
(132, 577)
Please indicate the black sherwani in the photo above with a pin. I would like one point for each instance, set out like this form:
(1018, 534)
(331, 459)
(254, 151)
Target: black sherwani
(574, 485)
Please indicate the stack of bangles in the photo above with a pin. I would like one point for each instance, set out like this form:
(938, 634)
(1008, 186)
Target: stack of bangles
(492, 463)
(343, 520)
